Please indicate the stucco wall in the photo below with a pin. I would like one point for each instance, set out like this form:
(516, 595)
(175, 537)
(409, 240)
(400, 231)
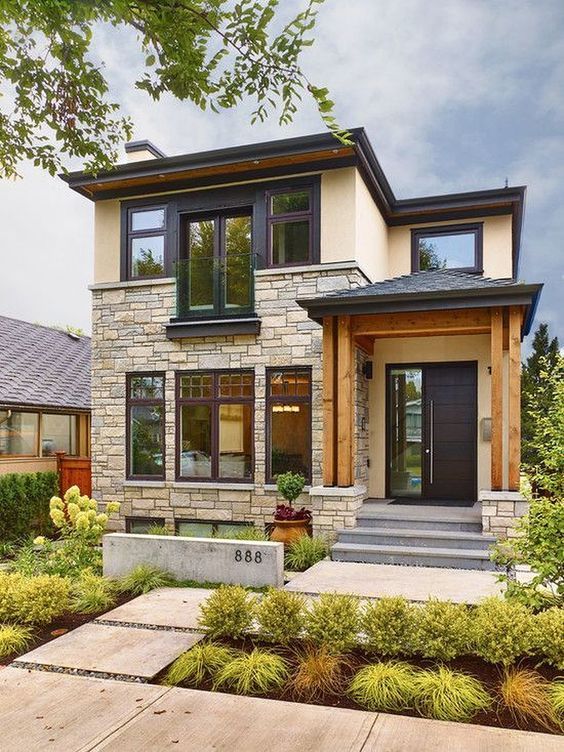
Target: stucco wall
(497, 246)
(371, 241)
(28, 465)
(425, 350)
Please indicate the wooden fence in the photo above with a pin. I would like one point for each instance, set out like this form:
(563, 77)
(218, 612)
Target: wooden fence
(74, 471)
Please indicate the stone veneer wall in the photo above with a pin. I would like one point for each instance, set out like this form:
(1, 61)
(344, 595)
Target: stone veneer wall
(500, 512)
(129, 336)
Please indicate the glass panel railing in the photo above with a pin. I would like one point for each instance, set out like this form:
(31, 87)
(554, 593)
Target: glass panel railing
(210, 286)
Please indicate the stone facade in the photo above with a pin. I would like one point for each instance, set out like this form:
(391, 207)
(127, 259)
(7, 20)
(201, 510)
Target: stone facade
(129, 336)
(500, 512)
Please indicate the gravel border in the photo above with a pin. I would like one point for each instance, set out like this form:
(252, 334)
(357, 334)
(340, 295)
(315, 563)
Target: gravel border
(78, 672)
(155, 627)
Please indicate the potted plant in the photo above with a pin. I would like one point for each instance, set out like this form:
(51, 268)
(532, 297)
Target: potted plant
(290, 523)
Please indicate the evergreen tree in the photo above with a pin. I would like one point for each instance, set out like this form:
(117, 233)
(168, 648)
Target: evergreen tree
(535, 398)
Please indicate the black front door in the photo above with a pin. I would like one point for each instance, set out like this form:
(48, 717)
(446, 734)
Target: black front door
(431, 432)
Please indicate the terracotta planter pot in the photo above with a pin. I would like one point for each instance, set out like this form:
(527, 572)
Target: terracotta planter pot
(286, 531)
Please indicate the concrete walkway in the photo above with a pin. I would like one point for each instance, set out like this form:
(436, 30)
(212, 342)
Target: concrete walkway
(414, 583)
(44, 711)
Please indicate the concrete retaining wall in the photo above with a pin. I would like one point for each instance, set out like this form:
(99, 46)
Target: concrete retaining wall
(251, 563)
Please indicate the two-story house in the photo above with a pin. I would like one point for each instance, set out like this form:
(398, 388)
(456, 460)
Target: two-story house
(274, 307)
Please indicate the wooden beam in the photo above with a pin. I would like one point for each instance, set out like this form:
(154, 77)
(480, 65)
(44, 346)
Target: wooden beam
(514, 398)
(329, 402)
(422, 323)
(366, 344)
(345, 402)
(497, 399)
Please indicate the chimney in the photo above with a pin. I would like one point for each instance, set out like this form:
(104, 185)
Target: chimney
(140, 151)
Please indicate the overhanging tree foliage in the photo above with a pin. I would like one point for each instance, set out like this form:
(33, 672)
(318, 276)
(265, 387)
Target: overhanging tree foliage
(214, 53)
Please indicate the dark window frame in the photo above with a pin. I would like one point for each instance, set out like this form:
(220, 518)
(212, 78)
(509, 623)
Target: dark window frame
(129, 402)
(149, 520)
(275, 219)
(214, 523)
(474, 228)
(286, 400)
(157, 232)
(215, 400)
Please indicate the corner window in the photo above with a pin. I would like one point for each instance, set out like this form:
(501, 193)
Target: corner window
(288, 419)
(289, 217)
(19, 434)
(146, 240)
(215, 425)
(447, 247)
(145, 426)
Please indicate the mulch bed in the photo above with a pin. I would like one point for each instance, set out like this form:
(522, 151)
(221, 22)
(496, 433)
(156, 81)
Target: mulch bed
(487, 673)
(67, 622)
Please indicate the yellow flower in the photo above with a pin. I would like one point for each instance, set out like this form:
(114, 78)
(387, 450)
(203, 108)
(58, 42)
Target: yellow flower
(102, 519)
(72, 494)
(92, 504)
(56, 503)
(97, 530)
(113, 507)
(72, 509)
(91, 514)
(82, 522)
(39, 541)
(58, 517)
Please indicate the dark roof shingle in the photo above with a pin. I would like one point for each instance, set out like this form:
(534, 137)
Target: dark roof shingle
(41, 366)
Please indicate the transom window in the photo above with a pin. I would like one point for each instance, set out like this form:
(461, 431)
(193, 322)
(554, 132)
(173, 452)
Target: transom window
(447, 247)
(288, 422)
(215, 425)
(145, 426)
(146, 240)
(289, 217)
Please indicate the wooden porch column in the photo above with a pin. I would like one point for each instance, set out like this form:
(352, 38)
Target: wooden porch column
(329, 398)
(345, 401)
(497, 399)
(514, 398)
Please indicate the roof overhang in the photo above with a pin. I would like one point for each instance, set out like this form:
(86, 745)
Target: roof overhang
(523, 295)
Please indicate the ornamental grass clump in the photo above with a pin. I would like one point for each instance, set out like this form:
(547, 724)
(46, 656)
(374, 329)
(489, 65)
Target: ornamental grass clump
(200, 663)
(13, 639)
(32, 600)
(304, 552)
(319, 673)
(145, 577)
(448, 695)
(228, 612)
(525, 693)
(91, 594)
(556, 697)
(502, 631)
(256, 673)
(441, 629)
(333, 620)
(388, 685)
(388, 625)
(549, 636)
(280, 616)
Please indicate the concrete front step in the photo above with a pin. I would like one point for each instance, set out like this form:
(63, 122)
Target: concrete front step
(412, 556)
(385, 518)
(455, 539)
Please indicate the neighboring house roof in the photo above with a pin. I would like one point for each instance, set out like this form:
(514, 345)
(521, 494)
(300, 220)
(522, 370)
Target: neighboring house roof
(427, 290)
(43, 367)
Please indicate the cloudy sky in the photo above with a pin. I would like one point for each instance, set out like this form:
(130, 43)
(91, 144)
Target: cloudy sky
(455, 95)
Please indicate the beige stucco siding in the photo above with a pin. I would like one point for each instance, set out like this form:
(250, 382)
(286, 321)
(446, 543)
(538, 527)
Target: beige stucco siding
(497, 246)
(338, 224)
(107, 241)
(425, 350)
(28, 465)
(371, 246)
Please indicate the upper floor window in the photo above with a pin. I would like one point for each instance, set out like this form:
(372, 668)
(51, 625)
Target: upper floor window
(146, 241)
(145, 426)
(289, 218)
(447, 247)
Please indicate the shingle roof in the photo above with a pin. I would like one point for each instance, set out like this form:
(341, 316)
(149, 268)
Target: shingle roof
(419, 283)
(41, 366)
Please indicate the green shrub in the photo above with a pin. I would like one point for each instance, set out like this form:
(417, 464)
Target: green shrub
(228, 612)
(441, 629)
(280, 616)
(156, 529)
(388, 624)
(32, 600)
(246, 532)
(556, 697)
(91, 594)
(304, 552)
(290, 485)
(502, 631)
(448, 695)
(549, 636)
(201, 662)
(24, 504)
(257, 673)
(384, 686)
(145, 577)
(13, 639)
(333, 620)
(319, 673)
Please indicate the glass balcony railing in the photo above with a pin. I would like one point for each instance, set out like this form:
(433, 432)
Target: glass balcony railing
(212, 286)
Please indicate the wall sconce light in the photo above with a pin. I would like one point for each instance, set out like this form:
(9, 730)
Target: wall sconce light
(367, 369)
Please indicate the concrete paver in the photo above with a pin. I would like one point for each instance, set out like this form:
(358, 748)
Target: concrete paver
(114, 650)
(414, 583)
(205, 721)
(60, 713)
(167, 607)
